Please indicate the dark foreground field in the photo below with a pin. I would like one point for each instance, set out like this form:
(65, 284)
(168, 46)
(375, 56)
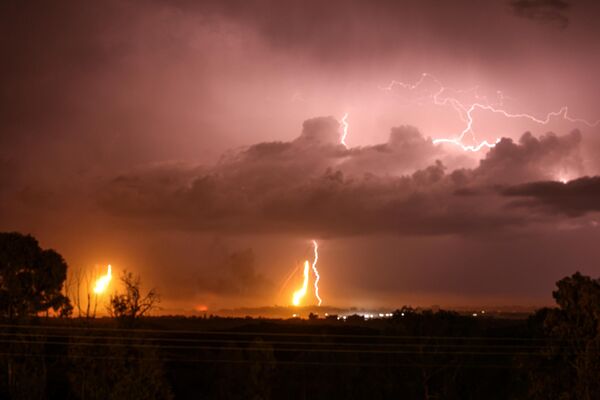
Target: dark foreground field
(418, 355)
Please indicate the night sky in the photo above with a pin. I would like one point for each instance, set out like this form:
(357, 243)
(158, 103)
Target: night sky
(198, 144)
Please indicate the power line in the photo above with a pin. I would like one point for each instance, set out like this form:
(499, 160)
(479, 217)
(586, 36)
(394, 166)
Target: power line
(276, 349)
(296, 334)
(273, 342)
(268, 362)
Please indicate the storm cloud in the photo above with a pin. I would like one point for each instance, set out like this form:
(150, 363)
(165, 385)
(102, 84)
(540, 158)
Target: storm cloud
(136, 133)
(314, 186)
(575, 198)
(547, 11)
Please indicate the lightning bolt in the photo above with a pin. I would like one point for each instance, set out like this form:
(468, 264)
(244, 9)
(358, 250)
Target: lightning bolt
(465, 111)
(344, 122)
(315, 270)
(301, 293)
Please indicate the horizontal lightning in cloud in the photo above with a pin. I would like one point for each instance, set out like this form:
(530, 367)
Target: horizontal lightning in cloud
(465, 111)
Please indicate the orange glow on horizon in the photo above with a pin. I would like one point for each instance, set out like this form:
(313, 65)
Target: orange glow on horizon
(300, 293)
(103, 282)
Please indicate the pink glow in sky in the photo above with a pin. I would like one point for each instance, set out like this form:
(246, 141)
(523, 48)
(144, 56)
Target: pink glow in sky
(198, 144)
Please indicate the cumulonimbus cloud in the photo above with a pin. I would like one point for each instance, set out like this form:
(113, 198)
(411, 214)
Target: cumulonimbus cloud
(314, 186)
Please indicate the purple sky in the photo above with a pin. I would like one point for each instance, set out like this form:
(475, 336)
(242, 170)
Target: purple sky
(198, 144)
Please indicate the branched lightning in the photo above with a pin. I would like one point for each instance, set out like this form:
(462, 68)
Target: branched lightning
(465, 111)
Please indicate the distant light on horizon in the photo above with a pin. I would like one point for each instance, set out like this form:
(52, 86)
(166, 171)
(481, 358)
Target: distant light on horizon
(103, 282)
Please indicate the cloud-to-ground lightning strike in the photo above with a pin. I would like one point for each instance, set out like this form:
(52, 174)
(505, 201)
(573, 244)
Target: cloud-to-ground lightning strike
(466, 112)
(300, 293)
(103, 281)
(344, 122)
(315, 270)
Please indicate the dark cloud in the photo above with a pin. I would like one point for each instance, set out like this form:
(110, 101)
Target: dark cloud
(532, 158)
(405, 151)
(574, 198)
(339, 30)
(547, 11)
(314, 186)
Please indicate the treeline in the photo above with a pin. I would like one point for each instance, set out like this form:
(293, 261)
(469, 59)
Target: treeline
(555, 354)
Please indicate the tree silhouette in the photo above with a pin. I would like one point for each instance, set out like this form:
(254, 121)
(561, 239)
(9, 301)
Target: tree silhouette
(31, 278)
(131, 305)
(571, 366)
